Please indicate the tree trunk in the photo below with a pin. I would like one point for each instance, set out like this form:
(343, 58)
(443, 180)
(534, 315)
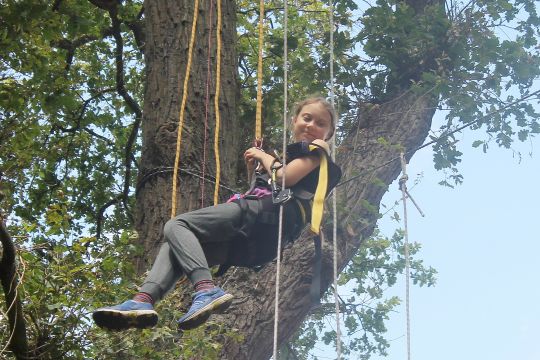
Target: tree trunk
(18, 341)
(168, 30)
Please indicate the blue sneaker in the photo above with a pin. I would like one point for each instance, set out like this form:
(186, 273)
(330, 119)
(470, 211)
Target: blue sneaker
(129, 314)
(205, 303)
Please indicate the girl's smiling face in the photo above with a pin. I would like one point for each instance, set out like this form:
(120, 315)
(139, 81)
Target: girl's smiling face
(312, 122)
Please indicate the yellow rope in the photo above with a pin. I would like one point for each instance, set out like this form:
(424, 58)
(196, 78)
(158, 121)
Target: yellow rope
(258, 114)
(216, 102)
(182, 109)
(320, 193)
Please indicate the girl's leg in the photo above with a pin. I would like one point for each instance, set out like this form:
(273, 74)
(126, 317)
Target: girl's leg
(197, 239)
(201, 238)
(139, 312)
(186, 250)
(164, 274)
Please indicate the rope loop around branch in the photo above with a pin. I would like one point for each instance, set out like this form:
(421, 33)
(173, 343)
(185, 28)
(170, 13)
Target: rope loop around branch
(403, 180)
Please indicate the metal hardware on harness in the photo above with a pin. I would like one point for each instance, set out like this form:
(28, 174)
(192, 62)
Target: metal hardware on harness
(281, 197)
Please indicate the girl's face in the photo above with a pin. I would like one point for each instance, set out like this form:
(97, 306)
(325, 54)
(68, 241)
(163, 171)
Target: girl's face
(313, 122)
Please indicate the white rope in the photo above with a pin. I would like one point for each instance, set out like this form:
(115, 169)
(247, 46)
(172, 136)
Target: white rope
(283, 152)
(334, 194)
(403, 187)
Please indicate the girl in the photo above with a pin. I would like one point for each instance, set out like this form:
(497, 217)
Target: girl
(241, 232)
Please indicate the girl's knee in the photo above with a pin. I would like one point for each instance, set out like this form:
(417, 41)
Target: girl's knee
(170, 227)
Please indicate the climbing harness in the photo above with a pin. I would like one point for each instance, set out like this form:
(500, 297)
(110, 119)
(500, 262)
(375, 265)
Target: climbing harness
(280, 195)
(301, 195)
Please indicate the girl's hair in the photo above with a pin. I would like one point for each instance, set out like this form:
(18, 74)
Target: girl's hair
(318, 99)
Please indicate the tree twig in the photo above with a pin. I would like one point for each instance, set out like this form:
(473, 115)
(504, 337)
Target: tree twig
(101, 213)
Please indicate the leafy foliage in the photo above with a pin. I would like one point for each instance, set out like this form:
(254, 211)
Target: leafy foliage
(481, 59)
(62, 281)
(363, 312)
(65, 130)
(307, 58)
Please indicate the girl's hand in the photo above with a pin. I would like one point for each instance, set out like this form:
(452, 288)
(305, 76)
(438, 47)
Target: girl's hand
(253, 154)
(322, 144)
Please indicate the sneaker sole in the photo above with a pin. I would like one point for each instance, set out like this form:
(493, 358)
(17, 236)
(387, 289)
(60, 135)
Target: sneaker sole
(123, 320)
(217, 306)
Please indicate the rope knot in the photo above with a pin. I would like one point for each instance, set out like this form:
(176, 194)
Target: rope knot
(402, 180)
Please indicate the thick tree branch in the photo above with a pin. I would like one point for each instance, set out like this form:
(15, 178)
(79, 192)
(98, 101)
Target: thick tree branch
(71, 45)
(109, 5)
(18, 342)
(137, 27)
(130, 102)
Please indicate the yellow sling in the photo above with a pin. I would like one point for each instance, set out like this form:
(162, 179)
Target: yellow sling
(320, 192)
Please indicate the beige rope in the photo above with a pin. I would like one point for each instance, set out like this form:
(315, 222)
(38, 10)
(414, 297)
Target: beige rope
(403, 186)
(284, 152)
(334, 194)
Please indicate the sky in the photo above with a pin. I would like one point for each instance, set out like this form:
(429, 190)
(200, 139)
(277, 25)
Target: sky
(482, 239)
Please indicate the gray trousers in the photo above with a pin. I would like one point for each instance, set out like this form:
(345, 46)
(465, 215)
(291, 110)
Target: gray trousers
(194, 241)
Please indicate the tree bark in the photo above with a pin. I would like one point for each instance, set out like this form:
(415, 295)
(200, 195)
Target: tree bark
(168, 30)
